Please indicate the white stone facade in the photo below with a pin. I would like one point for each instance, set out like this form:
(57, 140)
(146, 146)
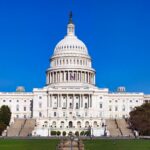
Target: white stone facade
(70, 101)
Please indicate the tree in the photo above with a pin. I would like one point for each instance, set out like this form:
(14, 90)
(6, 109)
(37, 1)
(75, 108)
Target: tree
(140, 119)
(5, 115)
(2, 127)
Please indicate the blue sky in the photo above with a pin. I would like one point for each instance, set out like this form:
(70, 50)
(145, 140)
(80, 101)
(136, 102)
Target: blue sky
(116, 32)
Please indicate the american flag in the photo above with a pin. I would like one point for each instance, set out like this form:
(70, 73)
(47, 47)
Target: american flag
(72, 76)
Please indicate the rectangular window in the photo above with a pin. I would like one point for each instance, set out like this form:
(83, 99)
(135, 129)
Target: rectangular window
(101, 106)
(24, 108)
(54, 114)
(40, 105)
(116, 108)
(110, 108)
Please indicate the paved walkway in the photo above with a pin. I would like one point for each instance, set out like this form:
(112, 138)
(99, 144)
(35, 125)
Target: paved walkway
(71, 143)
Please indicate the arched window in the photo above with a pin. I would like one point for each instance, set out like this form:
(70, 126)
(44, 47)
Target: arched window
(62, 124)
(54, 124)
(95, 124)
(86, 124)
(70, 124)
(79, 124)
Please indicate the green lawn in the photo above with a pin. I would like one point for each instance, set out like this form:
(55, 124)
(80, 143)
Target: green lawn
(50, 144)
(31, 144)
(117, 144)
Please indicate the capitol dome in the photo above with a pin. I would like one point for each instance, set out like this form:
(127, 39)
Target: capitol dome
(70, 62)
(70, 44)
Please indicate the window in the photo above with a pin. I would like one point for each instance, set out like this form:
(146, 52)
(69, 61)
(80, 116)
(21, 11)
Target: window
(70, 105)
(40, 114)
(85, 114)
(130, 101)
(24, 116)
(85, 105)
(101, 106)
(24, 108)
(40, 105)
(40, 97)
(4, 100)
(77, 106)
(110, 101)
(17, 100)
(9, 100)
(110, 108)
(54, 114)
(64, 104)
(123, 108)
(64, 114)
(17, 108)
(116, 108)
(131, 108)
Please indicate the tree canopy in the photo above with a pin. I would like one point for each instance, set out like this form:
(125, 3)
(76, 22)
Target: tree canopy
(5, 116)
(140, 119)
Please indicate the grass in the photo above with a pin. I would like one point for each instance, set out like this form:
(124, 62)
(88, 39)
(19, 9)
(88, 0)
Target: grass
(117, 144)
(50, 144)
(31, 144)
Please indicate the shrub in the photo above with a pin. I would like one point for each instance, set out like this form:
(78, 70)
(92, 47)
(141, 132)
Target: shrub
(87, 133)
(58, 133)
(53, 132)
(77, 133)
(82, 133)
(64, 133)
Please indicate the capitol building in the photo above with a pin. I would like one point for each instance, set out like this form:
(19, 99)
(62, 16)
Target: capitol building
(70, 101)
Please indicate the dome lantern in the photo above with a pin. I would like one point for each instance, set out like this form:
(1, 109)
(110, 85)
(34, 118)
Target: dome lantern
(71, 26)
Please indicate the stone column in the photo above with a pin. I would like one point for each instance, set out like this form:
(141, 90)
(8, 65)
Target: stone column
(90, 100)
(59, 100)
(64, 76)
(50, 100)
